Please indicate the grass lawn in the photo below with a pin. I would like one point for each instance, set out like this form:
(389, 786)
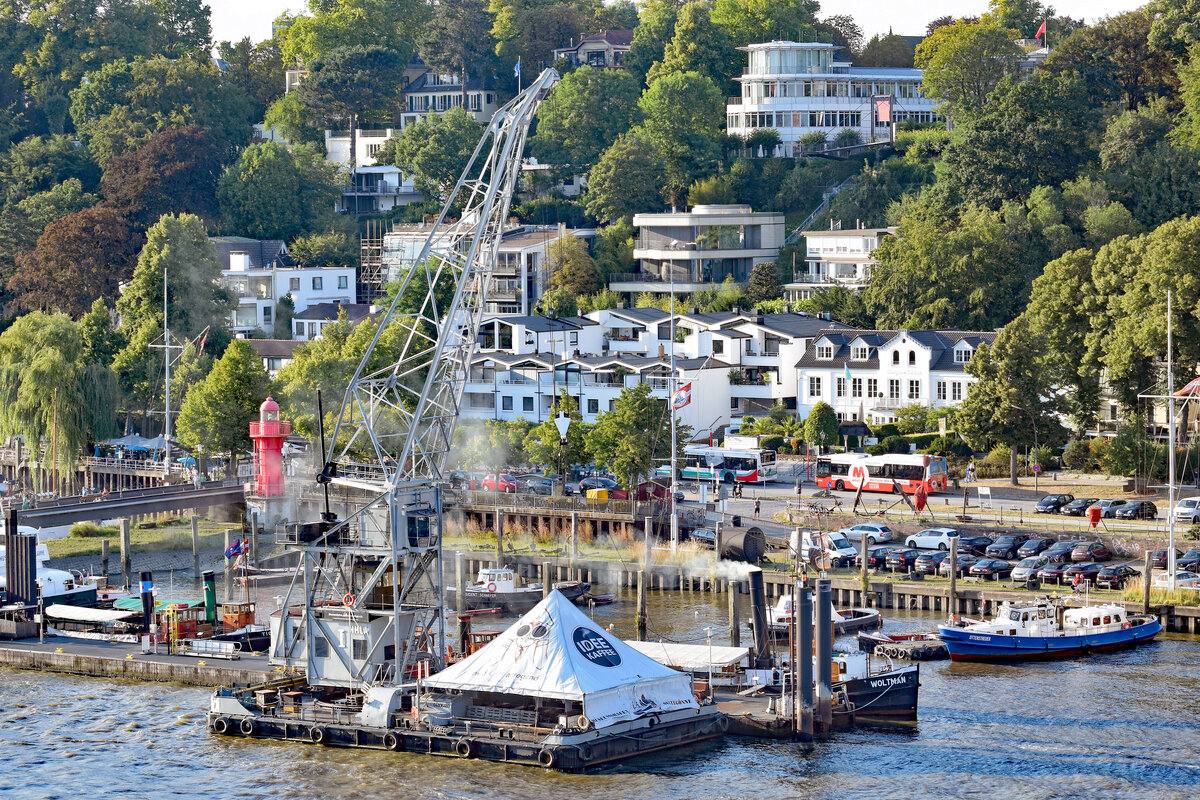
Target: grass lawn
(175, 534)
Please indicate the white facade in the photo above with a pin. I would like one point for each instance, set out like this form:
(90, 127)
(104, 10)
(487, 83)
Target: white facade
(836, 258)
(800, 87)
(701, 247)
(868, 375)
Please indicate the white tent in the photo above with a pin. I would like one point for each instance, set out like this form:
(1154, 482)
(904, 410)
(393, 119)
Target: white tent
(555, 651)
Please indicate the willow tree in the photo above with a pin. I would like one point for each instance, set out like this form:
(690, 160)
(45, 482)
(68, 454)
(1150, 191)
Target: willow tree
(51, 394)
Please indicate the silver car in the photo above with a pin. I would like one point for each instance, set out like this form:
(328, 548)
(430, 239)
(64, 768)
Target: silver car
(874, 533)
(1028, 568)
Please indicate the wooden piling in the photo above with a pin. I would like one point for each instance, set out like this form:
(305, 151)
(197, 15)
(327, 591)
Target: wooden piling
(1146, 574)
(253, 554)
(126, 555)
(862, 571)
(735, 621)
(195, 547)
(460, 582)
(499, 538)
(547, 580)
(104, 560)
(649, 534)
(953, 575)
(574, 536)
(641, 605)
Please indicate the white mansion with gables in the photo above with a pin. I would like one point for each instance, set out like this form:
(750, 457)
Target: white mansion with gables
(886, 370)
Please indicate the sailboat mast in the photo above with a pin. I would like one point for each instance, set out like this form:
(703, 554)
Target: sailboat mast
(1170, 452)
(167, 361)
(671, 408)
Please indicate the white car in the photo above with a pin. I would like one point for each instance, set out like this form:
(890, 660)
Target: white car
(1188, 510)
(1183, 580)
(932, 538)
(874, 532)
(1028, 568)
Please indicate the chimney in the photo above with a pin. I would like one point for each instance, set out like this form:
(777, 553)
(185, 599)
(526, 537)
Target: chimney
(693, 311)
(662, 351)
(827, 316)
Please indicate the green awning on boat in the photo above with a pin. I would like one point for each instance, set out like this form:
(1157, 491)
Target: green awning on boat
(135, 603)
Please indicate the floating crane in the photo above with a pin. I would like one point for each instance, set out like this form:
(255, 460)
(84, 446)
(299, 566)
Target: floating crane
(366, 605)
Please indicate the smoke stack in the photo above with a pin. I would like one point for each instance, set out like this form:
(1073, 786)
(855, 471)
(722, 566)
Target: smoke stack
(758, 618)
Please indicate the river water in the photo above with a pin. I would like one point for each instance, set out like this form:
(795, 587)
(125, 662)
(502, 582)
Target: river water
(1111, 726)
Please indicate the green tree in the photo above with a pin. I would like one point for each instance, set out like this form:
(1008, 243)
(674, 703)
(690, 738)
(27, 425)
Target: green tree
(911, 419)
(217, 411)
(79, 258)
(1013, 400)
(613, 248)
(750, 21)
(1023, 16)
(700, 46)
(963, 62)
(560, 300)
(337, 24)
(121, 105)
(346, 83)
(285, 310)
(1176, 25)
(764, 283)
(892, 50)
(571, 267)
(39, 163)
(256, 69)
(821, 420)
(50, 387)
(531, 29)
(543, 445)
(632, 458)
(435, 150)
(177, 246)
(843, 31)
(625, 180)
(584, 115)
(259, 193)
(332, 249)
(458, 40)
(295, 121)
(655, 28)
(100, 339)
(683, 113)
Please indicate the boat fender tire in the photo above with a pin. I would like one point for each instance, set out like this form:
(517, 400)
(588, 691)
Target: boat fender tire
(317, 735)
(463, 748)
(721, 725)
(547, 757)
(585, 752)
(247, 726)
(220, 725)
(393, 742)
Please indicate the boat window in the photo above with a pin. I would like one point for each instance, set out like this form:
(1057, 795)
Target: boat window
(1095, 620)
(1117, 618)
(1107, 620)
(1013, 615)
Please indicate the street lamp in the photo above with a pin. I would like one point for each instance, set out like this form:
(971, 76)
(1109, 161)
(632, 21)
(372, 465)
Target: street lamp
(563, 423)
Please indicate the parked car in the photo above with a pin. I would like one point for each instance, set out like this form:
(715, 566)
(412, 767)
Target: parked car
(460, 479)
(1053, 503)
(1087, 572)
(1076, 507)
(991, 568)
(874, 532)
(1028, 567)
(1187, 510)
(1054, 571)
(876, 557)
(932, 538)
(1183, 580)
(597, 482)
(928, 563)
(1158, 559)
(1033, 547)
(1085, 552)
(1059, 551)
(1006, 546)
(1189, 560)
(1108, 508)
(1138, 509)
(536, 484)
(1116, 577)
(976, 545)
(964, 563)
(499, 482)
(902, 559)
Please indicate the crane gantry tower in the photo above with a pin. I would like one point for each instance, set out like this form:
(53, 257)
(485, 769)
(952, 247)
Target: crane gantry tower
(366, 604)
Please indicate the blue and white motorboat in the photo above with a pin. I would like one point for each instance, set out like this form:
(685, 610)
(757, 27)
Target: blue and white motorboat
(1044, 629)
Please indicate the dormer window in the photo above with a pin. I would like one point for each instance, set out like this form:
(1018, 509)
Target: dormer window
(859, 352)
(963, 355)
(825, 352)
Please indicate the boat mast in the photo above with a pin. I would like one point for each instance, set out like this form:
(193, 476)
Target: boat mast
(1170, 454)
(167, 361)
(671, 408)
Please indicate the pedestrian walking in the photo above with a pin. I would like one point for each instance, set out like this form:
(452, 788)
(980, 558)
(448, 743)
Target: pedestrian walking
(757, 507)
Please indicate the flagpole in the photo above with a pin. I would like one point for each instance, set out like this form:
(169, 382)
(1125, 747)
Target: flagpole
(671, 408)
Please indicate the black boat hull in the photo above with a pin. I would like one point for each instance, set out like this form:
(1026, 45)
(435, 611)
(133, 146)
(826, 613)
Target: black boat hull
(887, 697)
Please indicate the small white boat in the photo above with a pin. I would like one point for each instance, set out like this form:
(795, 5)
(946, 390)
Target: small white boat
(846, 620)
(497, 588)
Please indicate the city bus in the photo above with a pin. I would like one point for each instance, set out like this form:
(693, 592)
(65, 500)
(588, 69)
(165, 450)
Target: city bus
(725, 464)
(885, 473)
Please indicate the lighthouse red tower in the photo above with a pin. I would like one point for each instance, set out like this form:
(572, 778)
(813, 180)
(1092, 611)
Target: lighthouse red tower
(269, 434)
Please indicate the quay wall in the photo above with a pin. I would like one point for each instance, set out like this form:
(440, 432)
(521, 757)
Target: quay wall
(191, 673)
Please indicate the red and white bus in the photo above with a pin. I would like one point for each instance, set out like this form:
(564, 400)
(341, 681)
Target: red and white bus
(885, 473)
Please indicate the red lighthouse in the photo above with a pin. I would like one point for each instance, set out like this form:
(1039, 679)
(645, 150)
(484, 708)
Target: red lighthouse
(269, 434)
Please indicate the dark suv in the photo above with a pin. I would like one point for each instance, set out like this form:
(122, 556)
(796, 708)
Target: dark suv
(1006, 546)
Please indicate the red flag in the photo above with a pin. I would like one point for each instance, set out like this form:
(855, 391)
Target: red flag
(1041, 31)
(922, 497)
(203, 339)
(681, 396)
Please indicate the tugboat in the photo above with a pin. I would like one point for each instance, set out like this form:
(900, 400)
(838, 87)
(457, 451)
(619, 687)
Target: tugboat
(877, 695)
(497, 588)
(1045, 629)
(845, 620)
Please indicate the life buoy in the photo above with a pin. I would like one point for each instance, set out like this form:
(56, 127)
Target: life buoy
(246, 726)
(463, 748)
(1126, 626)
(348, 600)
(491, 587)
(546, 757)
(220, 725)
(584, 723)
(316, 734)
(393, 742)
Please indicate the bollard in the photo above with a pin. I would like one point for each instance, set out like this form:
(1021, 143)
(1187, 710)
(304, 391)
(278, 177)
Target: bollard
(195, 546)
(460, 583)
(824, 635)
(641, 605)
(126, 555)
(104, 560)
(547, 581)
(499, 538)
(735, 616)
(649, 533)
(574, 536)
(805, 659)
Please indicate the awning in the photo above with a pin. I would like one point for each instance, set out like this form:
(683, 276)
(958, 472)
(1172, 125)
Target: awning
(692, 657)
(135, 603)
(81, 614)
